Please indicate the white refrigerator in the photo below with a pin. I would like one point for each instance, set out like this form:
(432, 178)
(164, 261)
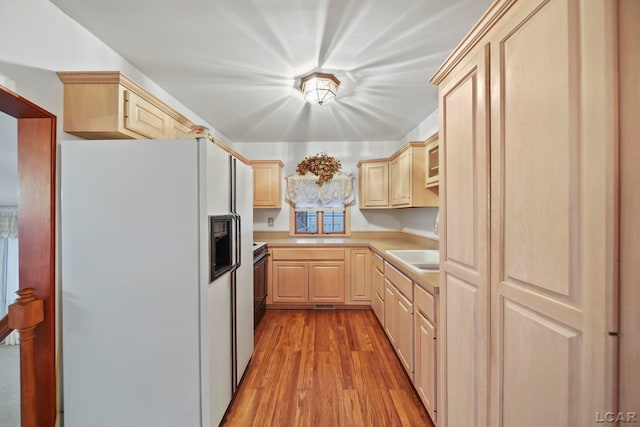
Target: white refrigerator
(147, 338)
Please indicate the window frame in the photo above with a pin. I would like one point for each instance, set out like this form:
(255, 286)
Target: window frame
(292, 224)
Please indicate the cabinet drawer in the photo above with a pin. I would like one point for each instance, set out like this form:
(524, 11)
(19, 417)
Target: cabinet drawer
(378, 261)
(308, 254)
(399, 280)
(424, 302)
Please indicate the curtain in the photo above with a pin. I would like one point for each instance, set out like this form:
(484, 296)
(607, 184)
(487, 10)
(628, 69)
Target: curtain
(305, 193)
(9, 264)
(9, 222)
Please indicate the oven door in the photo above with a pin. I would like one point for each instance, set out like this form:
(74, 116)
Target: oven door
(259, 288)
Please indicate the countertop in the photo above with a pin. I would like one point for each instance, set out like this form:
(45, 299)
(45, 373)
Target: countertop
(428, 281)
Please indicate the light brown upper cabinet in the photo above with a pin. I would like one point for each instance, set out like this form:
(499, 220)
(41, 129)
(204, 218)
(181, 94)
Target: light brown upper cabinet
(529, 240)
(432, 162)
(267, 183)
(407, 177)
(396, 182)
(400, 173)
(108, 105)
(373, 183)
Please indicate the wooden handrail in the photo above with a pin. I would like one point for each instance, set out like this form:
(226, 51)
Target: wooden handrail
(5, 330)
(25, 315)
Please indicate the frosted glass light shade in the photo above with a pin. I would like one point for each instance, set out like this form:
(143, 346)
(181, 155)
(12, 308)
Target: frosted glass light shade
(319, 88)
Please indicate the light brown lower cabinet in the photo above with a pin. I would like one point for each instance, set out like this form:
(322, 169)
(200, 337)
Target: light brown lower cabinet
(425, 366)
(326, 281)
(377, 287)
(398, 324)
(308, 275)
(390, 312)
(409, 318)
(377, 304)
(301, 282)
(290, 281)
(425, 373)
(360, 272)
(404, 332)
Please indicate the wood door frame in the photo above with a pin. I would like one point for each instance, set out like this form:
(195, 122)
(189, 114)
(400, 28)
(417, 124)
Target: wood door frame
(36, 231)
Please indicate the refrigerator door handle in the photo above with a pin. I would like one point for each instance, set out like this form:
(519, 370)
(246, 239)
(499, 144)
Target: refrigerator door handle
(232, 185)
(238, 226)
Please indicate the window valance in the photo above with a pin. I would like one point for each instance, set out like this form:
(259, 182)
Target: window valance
(305, 193)
(8, 222)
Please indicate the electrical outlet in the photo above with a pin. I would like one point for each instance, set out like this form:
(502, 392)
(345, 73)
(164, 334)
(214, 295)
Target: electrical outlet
(270, 221)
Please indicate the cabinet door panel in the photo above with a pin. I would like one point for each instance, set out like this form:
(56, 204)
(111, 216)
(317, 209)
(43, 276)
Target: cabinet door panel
(378, 283)
(630, 207)
(400, 171)
(378, 307)
(404, 329)
(145, 118)
(374, 184)
(390, 311)
(360, 283)
(290, 281)
(178, 130)
(553, 145)
(464, 318)
(326, 281)
(267, 184)
(432, 163)
(425, 363)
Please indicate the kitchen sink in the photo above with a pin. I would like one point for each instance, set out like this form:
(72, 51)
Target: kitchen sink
(422, 261)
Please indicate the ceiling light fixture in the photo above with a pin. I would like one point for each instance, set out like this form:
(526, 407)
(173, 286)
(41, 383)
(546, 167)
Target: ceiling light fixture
(319, 88)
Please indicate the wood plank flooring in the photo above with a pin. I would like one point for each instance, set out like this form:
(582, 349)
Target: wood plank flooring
(324, 368)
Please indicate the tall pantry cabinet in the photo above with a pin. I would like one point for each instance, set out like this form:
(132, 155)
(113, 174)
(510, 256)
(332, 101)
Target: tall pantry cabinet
(529, 210)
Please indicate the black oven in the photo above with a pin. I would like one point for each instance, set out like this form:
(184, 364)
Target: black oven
(222, 237)
(260, 272)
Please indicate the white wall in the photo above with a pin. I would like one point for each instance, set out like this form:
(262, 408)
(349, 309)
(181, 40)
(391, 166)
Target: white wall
(417, 220)
(425, 129)
(8, 160)
(38, 39)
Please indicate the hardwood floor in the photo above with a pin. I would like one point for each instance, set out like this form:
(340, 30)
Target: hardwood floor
(324, 368)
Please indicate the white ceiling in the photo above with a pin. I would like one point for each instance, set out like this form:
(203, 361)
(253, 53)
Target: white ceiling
(238, 64)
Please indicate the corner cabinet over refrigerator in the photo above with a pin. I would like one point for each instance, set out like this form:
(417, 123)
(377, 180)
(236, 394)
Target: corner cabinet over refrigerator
(147, 337)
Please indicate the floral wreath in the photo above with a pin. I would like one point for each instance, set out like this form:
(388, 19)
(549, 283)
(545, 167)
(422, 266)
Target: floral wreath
(321, 165)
